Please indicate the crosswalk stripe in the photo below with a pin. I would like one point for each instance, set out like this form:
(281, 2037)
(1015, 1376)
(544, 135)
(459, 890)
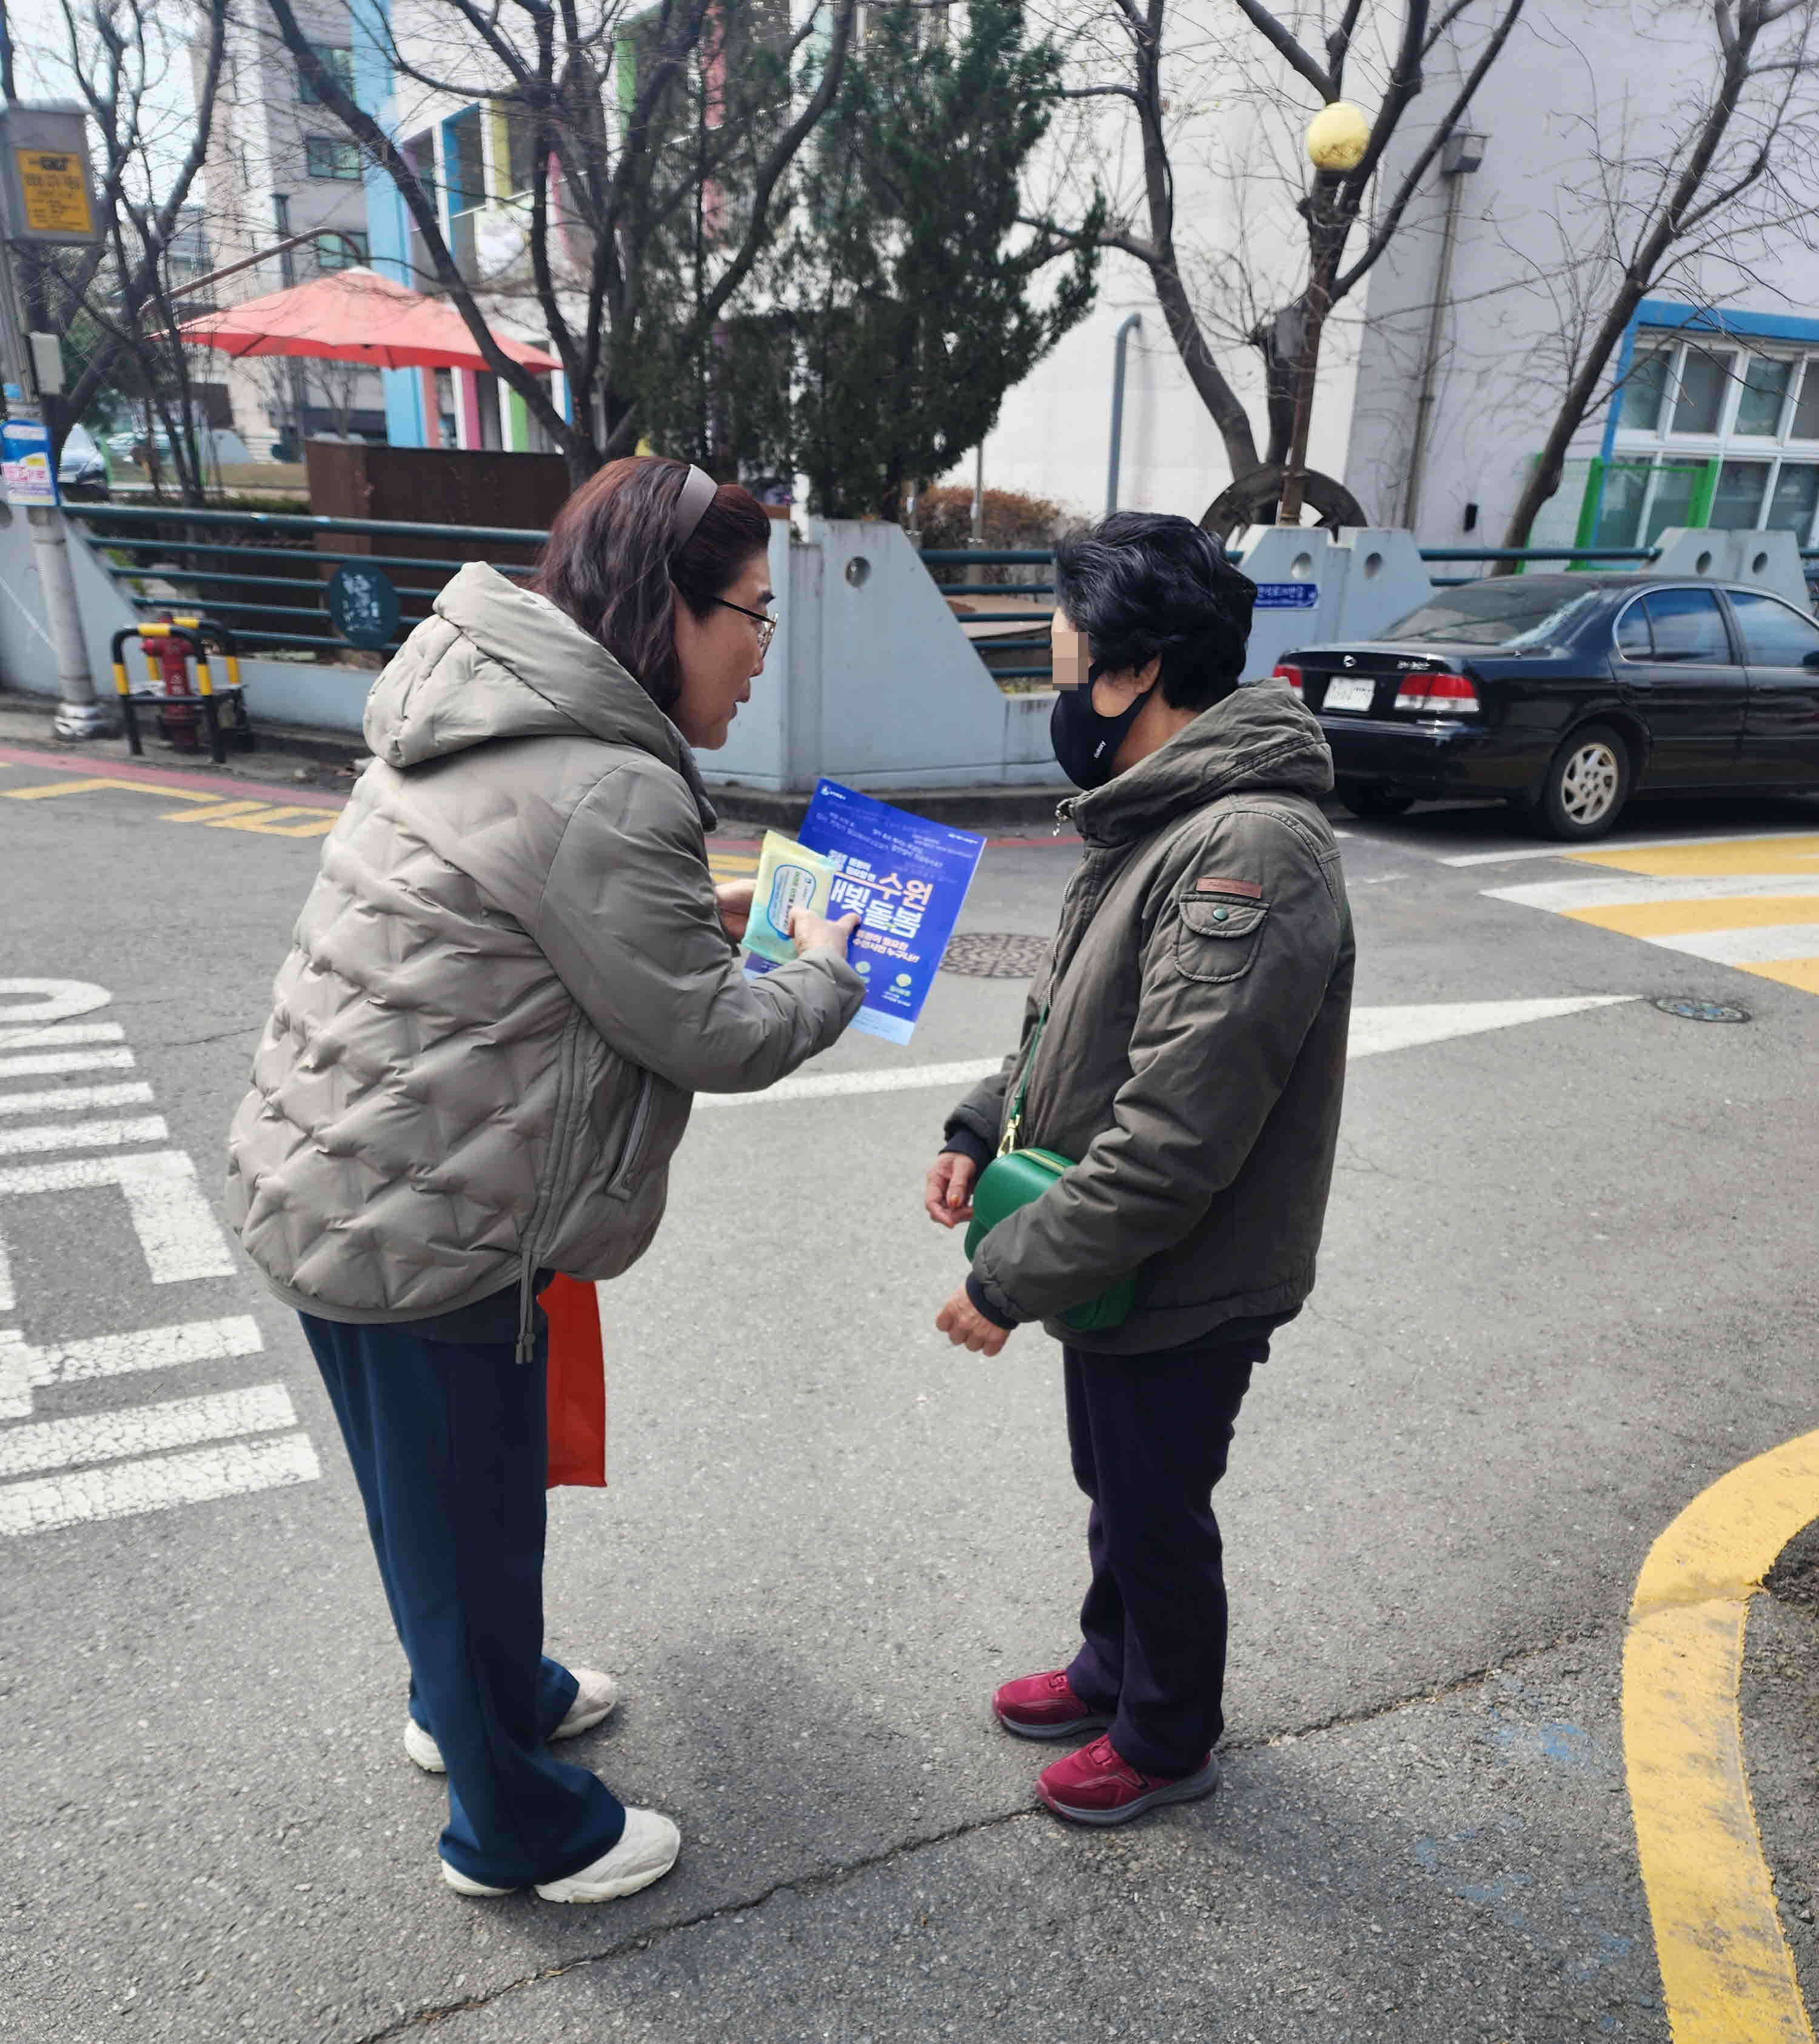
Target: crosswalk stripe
(136, 1429)
(68, 1099)
(41, 1504)
(1565, 895)
(46, 1064)
(1764, 944)
(83, 1135)
(25, 1036)
(1672, 919)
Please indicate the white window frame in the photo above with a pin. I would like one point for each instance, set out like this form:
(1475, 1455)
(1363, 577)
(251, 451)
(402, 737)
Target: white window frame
(1661, 445)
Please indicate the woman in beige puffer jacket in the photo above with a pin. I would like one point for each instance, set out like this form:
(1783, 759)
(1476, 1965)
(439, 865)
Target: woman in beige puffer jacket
(513, 973)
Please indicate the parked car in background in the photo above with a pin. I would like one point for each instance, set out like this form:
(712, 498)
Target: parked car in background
(1567, 694)
(81, 468)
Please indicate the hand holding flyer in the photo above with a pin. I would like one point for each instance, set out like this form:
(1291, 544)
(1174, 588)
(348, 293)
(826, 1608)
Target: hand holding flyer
(790, 876)
(904, 878)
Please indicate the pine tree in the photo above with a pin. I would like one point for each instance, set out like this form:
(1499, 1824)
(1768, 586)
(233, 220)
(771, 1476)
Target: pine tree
(904, 283)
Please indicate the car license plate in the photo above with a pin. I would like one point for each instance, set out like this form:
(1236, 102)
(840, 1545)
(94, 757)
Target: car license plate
(1349, 692)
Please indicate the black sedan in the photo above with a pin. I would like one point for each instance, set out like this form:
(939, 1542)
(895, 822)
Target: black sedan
(1566, 694)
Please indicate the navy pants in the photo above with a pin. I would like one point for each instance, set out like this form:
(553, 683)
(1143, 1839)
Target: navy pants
(1150, 1434)
(448, 1444)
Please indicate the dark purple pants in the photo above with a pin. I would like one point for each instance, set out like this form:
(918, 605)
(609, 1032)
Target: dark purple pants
(1150, 1435)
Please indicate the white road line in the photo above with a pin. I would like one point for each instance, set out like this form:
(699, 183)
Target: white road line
(1621, 891)
(43, 1503)
(16, 1037)
(1373, 1030)
(896, 1078)
(1758, 947)
(1568, 851)
(23, 1368)
(49, 999)
(48, 1062)
(84, 1135)
(143, 1348)
(137, 1429)
(66, 1099)
(175, 1227)
(1376, 1030)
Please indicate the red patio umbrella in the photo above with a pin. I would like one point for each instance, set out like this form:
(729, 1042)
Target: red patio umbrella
(354, 315)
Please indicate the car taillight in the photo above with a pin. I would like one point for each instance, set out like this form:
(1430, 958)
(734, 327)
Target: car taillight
(1287, 671)
(1437, 695)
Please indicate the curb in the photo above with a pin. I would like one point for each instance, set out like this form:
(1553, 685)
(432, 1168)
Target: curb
(1727, 1974)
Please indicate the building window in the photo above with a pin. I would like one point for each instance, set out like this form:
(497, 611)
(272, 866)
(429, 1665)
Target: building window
(342, 250)
(463, 155)
(338, 62)
(327, 157)
(1716, 433)
(520, 150)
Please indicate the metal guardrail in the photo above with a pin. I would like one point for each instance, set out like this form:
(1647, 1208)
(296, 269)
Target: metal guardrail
(201, 553)
(185, 541)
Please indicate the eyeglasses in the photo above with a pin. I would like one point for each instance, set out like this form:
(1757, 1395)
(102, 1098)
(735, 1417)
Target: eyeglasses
(766, 624)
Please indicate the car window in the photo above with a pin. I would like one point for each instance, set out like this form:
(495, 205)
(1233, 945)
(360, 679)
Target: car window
(1632, 633)
(1687, 624)
(1509, 610)
(1775, 634)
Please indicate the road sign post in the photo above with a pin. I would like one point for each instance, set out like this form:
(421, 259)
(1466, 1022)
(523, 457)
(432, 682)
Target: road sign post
(47, 199)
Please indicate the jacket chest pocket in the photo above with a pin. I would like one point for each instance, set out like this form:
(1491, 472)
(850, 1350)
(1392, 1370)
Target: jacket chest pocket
(1218, 938)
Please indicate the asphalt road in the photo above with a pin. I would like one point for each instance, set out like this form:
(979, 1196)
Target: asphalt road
(1567, 1281)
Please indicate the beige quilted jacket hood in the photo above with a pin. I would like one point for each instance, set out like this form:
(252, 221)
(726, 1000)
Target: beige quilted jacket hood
(505, 986)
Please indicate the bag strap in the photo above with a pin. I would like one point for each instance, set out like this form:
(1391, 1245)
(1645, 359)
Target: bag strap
(1014, 1122)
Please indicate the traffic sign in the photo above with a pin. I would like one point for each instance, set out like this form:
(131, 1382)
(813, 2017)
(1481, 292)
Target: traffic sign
(46, 193)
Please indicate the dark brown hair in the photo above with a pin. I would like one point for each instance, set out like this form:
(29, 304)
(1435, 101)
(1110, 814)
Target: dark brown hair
(610, 565)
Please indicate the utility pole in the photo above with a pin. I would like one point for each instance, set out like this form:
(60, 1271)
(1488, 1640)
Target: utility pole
(287, 276)
(1460, 155)
(46, 198)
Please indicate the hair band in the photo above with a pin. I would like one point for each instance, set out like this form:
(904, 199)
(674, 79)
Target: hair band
(698, 490)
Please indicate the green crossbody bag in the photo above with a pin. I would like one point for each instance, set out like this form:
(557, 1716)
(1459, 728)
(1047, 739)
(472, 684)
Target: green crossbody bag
(1014, 1178)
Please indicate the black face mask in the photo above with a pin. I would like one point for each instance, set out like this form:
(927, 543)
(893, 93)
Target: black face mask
(1085, 742)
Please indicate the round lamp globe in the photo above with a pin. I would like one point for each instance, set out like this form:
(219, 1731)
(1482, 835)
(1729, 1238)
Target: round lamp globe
(1337, 137)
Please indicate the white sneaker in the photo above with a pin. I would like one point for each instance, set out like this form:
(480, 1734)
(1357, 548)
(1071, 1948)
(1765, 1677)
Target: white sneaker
(594, 1698)
(645, 1853)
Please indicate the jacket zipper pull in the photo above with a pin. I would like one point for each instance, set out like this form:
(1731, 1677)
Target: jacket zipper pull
(527, 1309)
(1063, 813)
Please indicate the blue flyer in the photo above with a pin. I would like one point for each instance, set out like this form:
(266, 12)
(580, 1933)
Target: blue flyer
(908, 879)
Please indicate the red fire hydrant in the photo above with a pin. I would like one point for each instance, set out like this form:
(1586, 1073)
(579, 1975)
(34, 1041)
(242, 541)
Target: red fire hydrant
(169, 660)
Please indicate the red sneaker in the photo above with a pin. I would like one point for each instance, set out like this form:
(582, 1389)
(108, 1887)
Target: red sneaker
(1094, 1787)
(1044, 1707)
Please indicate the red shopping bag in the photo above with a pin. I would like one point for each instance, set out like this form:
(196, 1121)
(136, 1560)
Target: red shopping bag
(577, 1386)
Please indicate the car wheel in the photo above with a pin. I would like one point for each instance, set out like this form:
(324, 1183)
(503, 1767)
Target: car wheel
(1373, 801)
(1587, 786)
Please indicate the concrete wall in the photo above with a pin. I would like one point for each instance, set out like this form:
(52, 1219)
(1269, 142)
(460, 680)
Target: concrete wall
(279, 691)
(871, 681)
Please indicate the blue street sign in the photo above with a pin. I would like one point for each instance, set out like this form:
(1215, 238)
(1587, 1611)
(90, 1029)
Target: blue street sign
(1288, 596)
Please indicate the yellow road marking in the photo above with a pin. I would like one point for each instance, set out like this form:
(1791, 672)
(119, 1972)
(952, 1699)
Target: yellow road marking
(1803, 973)
(1726, 1971)
(1716, 856)
(110, 781)
(212, 816)
(266, 818)
(1673, 919)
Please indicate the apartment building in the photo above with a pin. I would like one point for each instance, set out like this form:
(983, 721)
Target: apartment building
(279, 164)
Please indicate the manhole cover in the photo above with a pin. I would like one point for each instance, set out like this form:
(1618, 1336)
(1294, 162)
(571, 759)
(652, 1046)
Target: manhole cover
(994, 954)
(1689, 1010)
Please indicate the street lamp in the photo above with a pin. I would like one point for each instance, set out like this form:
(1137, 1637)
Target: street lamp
(1337, 137)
